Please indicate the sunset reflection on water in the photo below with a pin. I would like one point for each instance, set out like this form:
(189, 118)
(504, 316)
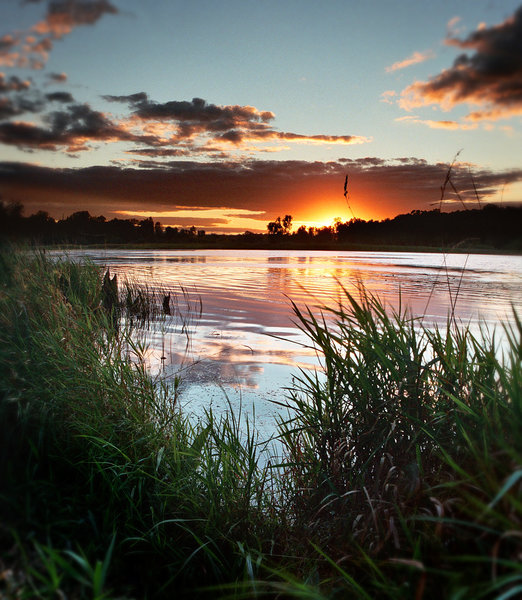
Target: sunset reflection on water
(245, 347)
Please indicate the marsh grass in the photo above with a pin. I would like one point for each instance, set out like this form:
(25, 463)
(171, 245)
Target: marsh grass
(95, 453)
(401, 475)
(407, 455)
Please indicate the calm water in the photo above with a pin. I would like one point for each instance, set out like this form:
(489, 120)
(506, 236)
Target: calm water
(232, 354)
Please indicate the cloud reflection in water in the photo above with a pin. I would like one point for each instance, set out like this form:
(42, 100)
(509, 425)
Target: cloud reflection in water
(244, 348)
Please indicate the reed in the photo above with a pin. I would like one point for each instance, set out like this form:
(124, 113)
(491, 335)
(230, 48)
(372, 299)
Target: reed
(95, 453)
(401, 475)
(405, 460)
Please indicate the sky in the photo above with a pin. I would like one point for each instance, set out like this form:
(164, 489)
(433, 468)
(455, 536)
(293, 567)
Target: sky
(225, 115)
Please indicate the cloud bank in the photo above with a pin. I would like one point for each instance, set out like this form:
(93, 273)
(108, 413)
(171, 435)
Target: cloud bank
(378, 188)
(174, 128)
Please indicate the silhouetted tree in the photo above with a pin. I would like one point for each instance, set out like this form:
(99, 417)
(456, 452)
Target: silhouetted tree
(146, 229)
(10, 216)
(275, 227)
(280, 227)
(287, 224)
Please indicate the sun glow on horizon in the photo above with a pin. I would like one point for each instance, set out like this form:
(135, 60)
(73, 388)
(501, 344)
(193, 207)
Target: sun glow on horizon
(218, 219)
(329, 219)
(319, 222)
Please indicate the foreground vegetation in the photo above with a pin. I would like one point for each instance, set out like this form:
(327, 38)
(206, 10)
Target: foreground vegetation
(401, 475)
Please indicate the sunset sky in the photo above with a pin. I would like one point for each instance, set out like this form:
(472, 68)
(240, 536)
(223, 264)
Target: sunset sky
(224, 115)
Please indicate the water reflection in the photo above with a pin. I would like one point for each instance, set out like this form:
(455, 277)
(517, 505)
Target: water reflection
(242, 346)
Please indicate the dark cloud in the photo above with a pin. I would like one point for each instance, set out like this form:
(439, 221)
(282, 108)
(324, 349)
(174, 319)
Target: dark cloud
(130, 99)
(7, 108)
(13, 83)
(20, 98)
(14, 102)
(491, 77)
(72, 128)
(8, 42)
(377, 187)
(198, 111)
(64, 97)
(205, 127)
(175, 128)
(159, 152)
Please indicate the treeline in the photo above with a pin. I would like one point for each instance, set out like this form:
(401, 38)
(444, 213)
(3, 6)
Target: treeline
(83, 228)
(493, 226)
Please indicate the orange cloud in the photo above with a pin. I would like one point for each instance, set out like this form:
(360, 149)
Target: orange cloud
(64, 15)
(31, 50)
(9, 57)
(388, 96)
(494, 114)
(414, 59)
(452, 125)
(57, 77)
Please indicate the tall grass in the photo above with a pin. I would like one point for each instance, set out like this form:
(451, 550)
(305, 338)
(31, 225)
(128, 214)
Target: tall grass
(95, 454)
(401, 475)
(408, 455)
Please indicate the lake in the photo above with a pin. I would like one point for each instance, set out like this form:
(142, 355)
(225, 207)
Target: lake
(232, 338)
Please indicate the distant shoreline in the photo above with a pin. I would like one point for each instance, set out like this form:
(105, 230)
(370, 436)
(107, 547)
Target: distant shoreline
(299, 247)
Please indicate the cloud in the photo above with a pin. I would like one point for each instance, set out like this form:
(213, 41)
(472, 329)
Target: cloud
(64, 15)
(71, 129)
(31, 49)
(490, 78)
(7, 42)
(378, 188)
(204, 127)
(13, 83)
(130, 99)
(414, 59)
(234, 220)
(160, 152)
(63, 97)
(7, 108)
(453, 28)
(196, 111)
(8, 56)
(174, 128)
(445, 124)
(388, 96)
(57, 77)
(18, 97)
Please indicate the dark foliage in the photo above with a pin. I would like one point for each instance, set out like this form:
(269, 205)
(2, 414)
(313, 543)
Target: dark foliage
(493, 226)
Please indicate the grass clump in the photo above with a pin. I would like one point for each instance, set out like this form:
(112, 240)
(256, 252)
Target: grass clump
(401, 474)
(405, 461)
(103, 479)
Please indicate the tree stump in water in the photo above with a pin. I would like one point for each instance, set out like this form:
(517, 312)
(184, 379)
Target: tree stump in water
(110, 292)
(166, 304)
